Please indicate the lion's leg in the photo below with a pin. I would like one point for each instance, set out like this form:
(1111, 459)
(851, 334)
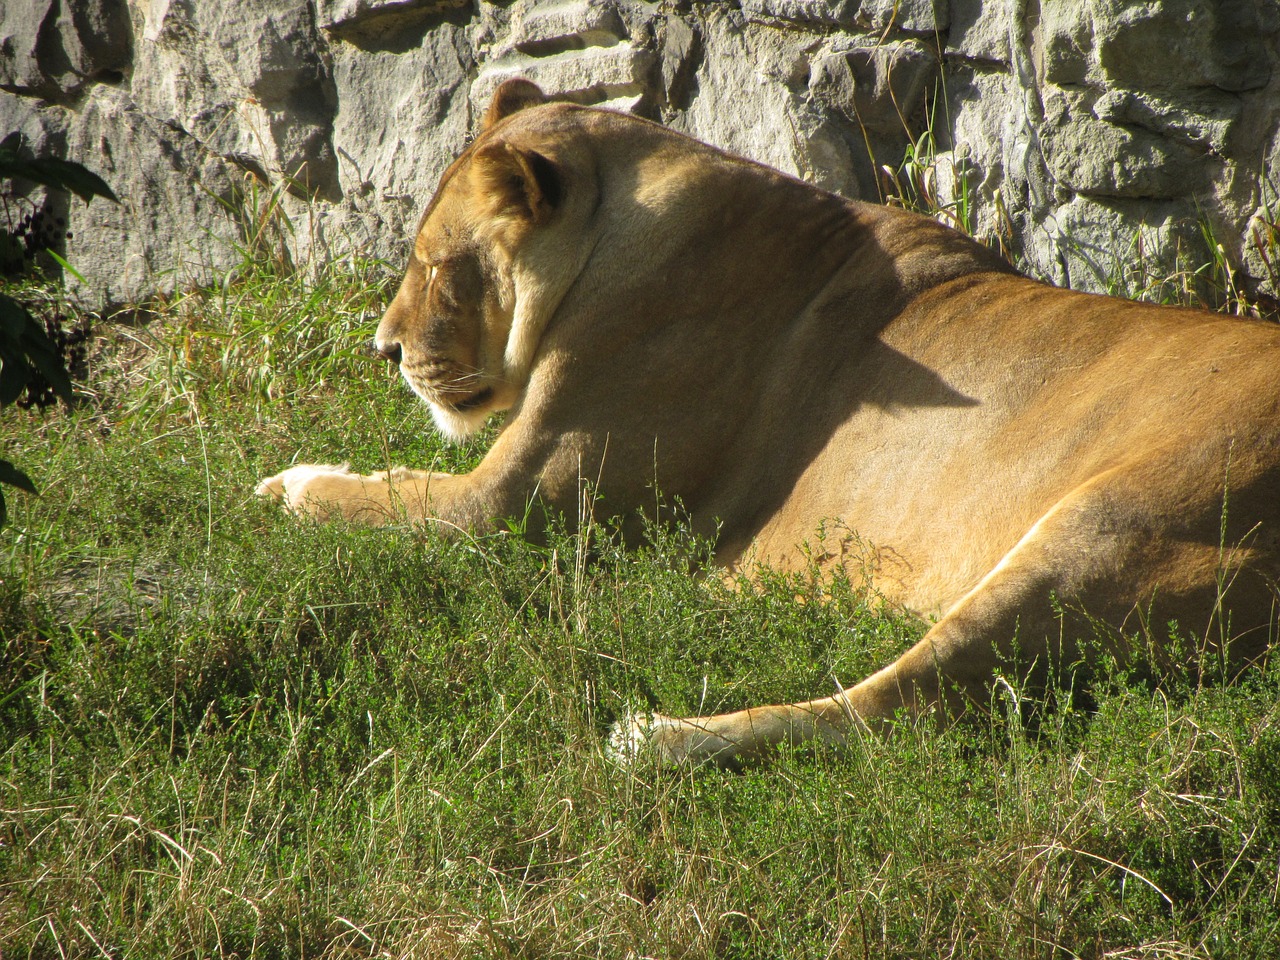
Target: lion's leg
(327, 492)
(959, 653)
(1099, 549)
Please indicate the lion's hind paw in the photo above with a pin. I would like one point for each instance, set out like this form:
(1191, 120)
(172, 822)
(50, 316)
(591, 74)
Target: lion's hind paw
(638, 735)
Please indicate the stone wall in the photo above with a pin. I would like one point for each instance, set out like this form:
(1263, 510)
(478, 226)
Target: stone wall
(1083, 134)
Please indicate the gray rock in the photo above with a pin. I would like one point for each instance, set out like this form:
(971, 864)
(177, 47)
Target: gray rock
(680, 46)
(336, 14)
(914, 16)
(1181, 43)
(1260, 245)
(979, 30)
(43, 127)
(1096, 158)
(1199, 118)
(21, 22)
(579, 51)
(164, 236)
(1125, 248)
(882, 87)
(762, 73)
(556, 27)
(42, 132)
(402, 118)
(51, 48)
(814, 12)
(617, 76)
(329, 122)
(246, 82)
(1062, 42)
(986, 136)
(96, 39)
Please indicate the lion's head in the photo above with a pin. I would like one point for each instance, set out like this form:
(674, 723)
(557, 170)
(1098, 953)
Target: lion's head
(494, 253)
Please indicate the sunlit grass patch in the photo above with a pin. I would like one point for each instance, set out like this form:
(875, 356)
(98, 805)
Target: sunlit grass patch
(227, 732)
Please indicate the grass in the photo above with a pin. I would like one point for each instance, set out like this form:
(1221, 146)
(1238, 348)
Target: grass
(228, 733)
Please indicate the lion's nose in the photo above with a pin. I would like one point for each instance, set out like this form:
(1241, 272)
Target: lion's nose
(388, 351)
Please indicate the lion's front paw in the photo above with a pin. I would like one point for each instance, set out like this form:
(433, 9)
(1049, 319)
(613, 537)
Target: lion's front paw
(296, 487)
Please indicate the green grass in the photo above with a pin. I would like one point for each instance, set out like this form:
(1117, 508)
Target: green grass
(225, 732)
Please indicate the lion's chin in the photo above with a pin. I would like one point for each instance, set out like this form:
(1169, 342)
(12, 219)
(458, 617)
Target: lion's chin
(457, 422)
(457, 425)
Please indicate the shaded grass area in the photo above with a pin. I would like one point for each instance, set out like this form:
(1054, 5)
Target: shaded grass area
(224, 732)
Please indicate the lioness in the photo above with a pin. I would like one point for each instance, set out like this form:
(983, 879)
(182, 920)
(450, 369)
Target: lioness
(653, 311)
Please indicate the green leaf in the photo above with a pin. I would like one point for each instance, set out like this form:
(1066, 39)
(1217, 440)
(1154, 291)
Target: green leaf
(11, 250)
(51, 368)
(15, 478)
(14, 374)
(58, 174)
(23, 345)
(79, 179)
(66, 266)
(13, 320)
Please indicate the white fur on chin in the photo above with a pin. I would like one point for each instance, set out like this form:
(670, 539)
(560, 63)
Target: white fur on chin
(457, 425)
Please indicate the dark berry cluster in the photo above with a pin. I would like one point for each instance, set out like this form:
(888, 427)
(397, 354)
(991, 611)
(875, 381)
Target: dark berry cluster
(34, 233)
(70, 339)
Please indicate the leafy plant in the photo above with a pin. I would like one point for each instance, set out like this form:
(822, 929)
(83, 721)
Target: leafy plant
(31, 362)
(942, 184)
(257, 209)
(1264, 239)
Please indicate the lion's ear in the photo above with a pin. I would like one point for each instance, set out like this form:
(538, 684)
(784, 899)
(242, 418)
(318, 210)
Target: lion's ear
(515, 183)
(511, 97)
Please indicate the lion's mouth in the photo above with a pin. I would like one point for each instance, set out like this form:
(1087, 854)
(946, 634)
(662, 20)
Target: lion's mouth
(478, 399)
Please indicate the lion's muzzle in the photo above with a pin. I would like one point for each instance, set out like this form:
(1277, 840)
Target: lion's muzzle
(389, 351)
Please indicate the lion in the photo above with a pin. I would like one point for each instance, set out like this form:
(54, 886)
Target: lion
(1024, 461)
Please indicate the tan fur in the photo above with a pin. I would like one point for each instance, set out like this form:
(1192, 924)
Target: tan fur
(654, 312)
